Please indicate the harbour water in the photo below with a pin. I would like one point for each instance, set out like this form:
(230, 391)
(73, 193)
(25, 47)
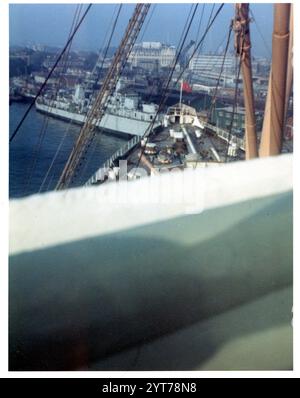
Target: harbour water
(32, 151)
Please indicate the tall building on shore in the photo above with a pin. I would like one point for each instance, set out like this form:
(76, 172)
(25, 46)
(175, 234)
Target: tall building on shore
(212, 63)
(150, 55)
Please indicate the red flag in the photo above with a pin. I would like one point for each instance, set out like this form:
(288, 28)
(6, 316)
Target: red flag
(186, 87)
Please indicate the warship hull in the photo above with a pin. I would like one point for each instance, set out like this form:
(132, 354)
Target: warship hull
(122, 124)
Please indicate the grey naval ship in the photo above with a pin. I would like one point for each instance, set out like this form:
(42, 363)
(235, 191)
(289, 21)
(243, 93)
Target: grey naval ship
(126, 114)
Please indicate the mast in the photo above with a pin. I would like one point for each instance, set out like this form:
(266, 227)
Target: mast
(180, 96)
(243, 46)
(273, 126)
(289, 77)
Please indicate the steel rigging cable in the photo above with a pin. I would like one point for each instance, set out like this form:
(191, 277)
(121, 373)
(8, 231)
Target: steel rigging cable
(102, 46)
(88, 156)
(234, 105)
(260, 33)
(214, 98)
(179, 42)
(147, 24)
(148, 131)
(200, 42)
(96, 144)
(64, 65)
(80, 170)
(164, 97)
(98, 109)
(199, 45)
(71, 121)
(209, 19)
(146, 135)
(74, 23)
(108, 44)
(200, 23)
(49, 74)
(182, 40)
(184, 31)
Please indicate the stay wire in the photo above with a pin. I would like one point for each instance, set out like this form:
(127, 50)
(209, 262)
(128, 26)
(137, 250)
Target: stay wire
(213, 101)
(48, 76)
(108, 44)
(105, 105)
(164, 97)
(148, 131)
(101, 50)
(200, 42)
(102, 46)
(64, 62)
(200, 23)
(96, 144)
(234, 105)
(260, 33)
(85, 159)
(209, 19)
(148, 22)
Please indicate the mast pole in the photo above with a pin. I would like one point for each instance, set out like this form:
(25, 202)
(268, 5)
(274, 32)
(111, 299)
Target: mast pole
(243, 50)
(289, 78)
(273, 126)
(180, 96)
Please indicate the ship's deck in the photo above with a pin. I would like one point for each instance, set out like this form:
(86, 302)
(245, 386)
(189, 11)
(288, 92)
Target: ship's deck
(180, 152)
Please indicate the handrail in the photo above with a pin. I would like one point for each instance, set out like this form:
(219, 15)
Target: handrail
(226, 135)
(108, 163)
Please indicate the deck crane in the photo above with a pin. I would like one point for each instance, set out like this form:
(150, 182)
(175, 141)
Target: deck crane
(97, 111)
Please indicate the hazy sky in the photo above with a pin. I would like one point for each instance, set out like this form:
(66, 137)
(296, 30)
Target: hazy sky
(50, 24)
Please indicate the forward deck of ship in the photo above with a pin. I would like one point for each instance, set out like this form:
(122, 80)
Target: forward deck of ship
(180, 150)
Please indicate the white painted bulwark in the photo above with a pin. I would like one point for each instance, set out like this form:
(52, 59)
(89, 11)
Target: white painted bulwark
(183, 271)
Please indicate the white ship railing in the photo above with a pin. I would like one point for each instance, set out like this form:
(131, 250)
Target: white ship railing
(98, 176)
(225, 135)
